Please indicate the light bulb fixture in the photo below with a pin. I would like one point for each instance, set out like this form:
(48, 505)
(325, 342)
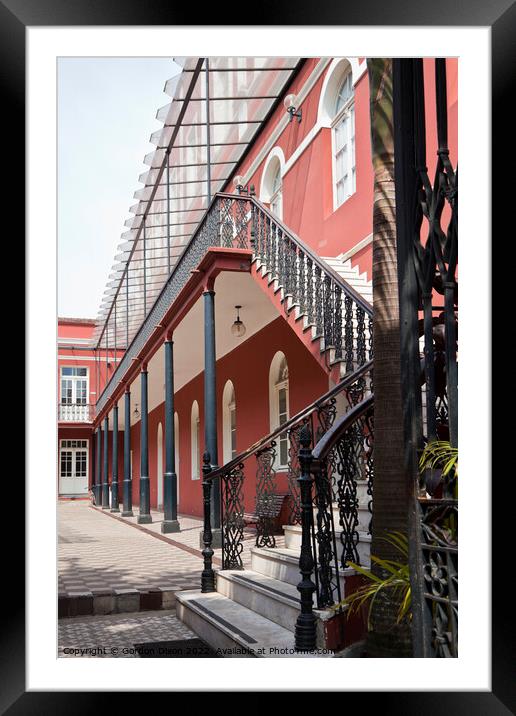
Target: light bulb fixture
(238, 183)
(136, 412)
(238, 328)
(290, 104)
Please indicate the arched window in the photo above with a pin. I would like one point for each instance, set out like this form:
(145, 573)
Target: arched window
(229, 421)
(159, 466)
(271, 189)
(279, 404)
(343, 131)
(195, 441)
(176, 452)
(276, 196)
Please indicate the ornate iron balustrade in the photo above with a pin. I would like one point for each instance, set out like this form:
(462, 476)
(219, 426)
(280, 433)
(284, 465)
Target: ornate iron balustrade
(331, 473)
(75, 412)
(427, 230)
(342, 460)
(342, 318)
(316, 418)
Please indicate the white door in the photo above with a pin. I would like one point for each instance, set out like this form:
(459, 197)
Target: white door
(73, 467)
(159, 451)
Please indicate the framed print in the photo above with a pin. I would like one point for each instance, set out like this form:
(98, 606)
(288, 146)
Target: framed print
(205, 373)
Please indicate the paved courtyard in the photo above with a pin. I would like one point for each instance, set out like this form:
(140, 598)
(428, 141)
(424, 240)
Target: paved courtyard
(115, 635)
(101, 550)
(98, 552)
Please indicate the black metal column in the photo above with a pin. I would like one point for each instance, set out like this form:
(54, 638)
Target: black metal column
(127, 509)
(406, 185)
(170, 523)
(114, 471)
(210, 409)
(306, 627)
(208, 575)
(144, 516)
(105, 476)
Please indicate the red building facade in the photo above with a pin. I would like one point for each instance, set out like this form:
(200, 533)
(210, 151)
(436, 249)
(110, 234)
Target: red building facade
(311, 168)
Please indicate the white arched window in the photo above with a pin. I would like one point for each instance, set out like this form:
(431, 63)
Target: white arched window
(279, 405)
(343, 141)
(159, 466)
(229, 421)
(195, 441)
(176, 452)
(271, 189)
(276, 202)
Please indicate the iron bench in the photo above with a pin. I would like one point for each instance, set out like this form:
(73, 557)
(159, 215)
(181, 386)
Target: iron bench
(268, 507)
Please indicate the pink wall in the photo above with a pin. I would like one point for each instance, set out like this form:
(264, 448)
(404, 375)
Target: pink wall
(308, 185)
(248, 369)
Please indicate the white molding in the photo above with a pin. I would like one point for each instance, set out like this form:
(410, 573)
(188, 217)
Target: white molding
(284, 121)
(229, 390)
(356, 248)
(195, 446)
(319, 124)
(275, 153)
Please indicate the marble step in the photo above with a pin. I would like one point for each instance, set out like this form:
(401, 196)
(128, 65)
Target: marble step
(283, 564)
(227, 625)
(272, 598)
(293, 535)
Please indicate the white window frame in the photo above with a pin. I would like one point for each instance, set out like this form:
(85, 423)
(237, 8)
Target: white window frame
(84, 448)
(276, 200)
(228, 409)
(195, 441)
(74, 380)
(347, 111)
(281, 439)
(275, 386)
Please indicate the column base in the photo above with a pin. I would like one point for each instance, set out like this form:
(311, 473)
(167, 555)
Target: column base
(105, 507)
(216, 538)
(114, 509)
(170, 526)
(144, 519)
(127, 513)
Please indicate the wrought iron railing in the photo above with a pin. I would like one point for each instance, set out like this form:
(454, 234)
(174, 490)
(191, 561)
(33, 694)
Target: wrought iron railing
(75, 412)
(341, 317)
(257, 466)
(427, 239)
(330, 474)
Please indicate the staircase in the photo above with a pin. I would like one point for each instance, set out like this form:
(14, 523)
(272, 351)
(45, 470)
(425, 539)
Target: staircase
(253, 612)
(351, 275)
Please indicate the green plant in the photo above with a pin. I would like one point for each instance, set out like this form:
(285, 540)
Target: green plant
(437, 454)
(396, 583)
(440, 453)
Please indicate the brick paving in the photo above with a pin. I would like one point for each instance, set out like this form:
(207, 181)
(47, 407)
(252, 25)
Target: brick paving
(103, 552)
(114, 635)
(98, 550)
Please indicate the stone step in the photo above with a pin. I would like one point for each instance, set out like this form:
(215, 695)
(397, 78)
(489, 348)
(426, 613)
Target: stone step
(293, 535)
(274, 599)
(224, 624)
(283, 564)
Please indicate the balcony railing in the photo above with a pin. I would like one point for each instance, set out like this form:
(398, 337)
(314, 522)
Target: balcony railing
(76, 412)
(342, 318)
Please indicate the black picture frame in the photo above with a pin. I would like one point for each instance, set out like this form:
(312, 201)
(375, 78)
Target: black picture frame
(15, 17)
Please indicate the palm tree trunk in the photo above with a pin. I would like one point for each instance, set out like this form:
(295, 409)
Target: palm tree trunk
(391, 487)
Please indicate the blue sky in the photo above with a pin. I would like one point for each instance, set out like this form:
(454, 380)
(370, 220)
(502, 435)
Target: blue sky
(106, 114)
